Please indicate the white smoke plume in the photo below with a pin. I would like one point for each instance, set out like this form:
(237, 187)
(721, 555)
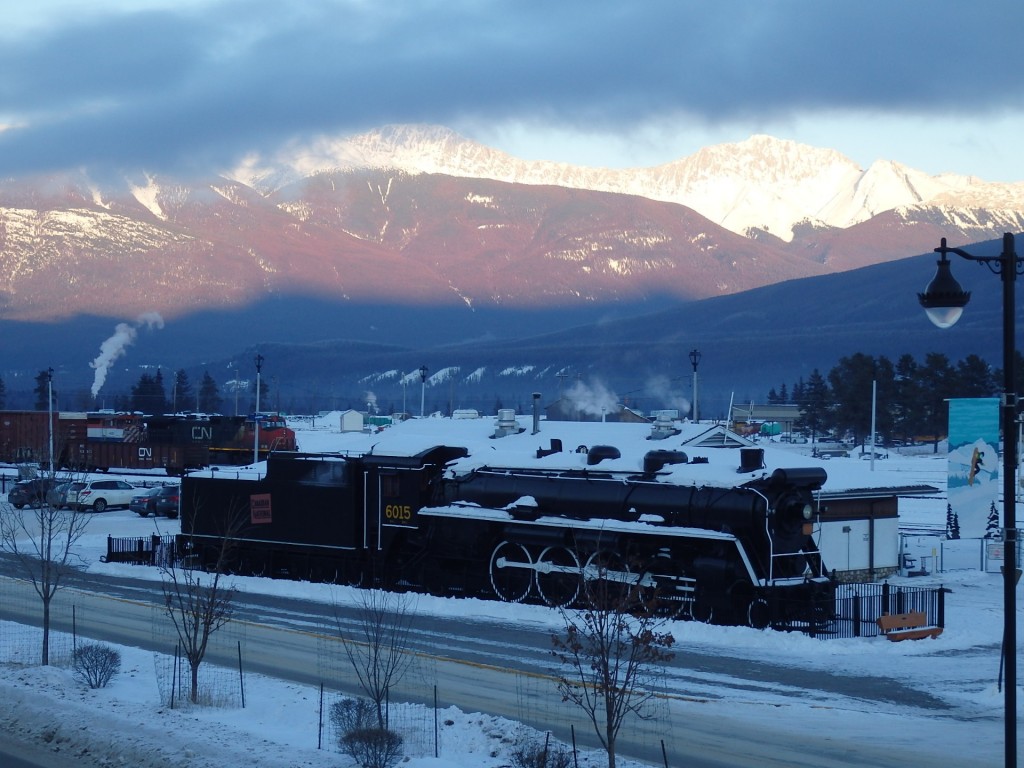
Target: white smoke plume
(595, 399)
(661, 389)
(111, 349)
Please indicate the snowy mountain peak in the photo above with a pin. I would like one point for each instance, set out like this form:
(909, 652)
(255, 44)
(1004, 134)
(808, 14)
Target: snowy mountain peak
(761, 184)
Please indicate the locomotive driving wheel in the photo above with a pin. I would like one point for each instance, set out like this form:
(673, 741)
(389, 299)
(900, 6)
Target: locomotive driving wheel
(558, 576)
(511, 572)
(607, 579)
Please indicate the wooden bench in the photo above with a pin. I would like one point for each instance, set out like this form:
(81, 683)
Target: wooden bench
(906, 626)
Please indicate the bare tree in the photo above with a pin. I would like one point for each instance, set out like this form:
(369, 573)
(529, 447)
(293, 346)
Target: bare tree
(197, 601)
(611, 652)
(42, 538)
(377, 646)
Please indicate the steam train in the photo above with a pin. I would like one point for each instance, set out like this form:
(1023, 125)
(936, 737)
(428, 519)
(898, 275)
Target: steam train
(436, 522)
(103, 440)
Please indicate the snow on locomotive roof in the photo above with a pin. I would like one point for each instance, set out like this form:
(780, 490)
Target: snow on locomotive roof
(605, 525)
(520, 447)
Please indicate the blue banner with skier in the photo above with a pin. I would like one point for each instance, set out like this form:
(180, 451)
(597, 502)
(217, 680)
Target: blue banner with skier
(973, 485)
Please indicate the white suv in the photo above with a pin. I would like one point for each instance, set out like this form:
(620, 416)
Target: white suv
(97, 495)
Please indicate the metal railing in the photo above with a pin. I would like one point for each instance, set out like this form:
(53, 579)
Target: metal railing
(859, 606)
(140, 550)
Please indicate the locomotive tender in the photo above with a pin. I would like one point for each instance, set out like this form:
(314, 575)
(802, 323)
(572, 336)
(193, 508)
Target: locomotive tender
(733, 546)
(103, 440)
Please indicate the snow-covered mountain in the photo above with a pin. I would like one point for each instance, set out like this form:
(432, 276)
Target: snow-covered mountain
(414, 215)
(762, 184)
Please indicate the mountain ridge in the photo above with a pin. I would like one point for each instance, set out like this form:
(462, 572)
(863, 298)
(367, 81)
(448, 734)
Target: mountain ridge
(762, 183)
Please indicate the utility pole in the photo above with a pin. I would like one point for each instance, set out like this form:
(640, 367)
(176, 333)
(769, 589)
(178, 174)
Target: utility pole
(256, 415)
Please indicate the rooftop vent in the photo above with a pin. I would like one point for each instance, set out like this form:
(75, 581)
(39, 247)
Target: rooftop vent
(664, 426)
(656, 460)
(506, 423)
(556, 447)
(751, 459)
(599, 453)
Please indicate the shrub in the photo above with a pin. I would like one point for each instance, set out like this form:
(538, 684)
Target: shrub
(348, 715)
(96, 664)
(533, 754)
(373, 747)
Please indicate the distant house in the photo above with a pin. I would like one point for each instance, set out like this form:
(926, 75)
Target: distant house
(351, 421)
(570, 410)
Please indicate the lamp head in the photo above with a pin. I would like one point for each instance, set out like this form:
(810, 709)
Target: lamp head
(944, 299)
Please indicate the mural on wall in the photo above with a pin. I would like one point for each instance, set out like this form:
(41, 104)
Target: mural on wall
(973, 465)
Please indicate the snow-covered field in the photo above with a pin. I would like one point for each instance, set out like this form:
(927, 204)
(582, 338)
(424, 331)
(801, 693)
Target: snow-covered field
(127, 724)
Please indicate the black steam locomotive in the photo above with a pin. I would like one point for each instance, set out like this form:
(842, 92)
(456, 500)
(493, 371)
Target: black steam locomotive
(742, 554)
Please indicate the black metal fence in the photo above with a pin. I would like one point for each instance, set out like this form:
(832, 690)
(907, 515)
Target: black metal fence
(859, 606)
(140, 550)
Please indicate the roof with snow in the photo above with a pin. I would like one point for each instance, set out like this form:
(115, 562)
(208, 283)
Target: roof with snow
(714, 455)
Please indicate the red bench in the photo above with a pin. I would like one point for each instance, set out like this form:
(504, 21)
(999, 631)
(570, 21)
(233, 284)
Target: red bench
(907, 626)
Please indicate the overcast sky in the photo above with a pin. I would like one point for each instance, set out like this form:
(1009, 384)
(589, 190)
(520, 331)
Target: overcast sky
(169, 85)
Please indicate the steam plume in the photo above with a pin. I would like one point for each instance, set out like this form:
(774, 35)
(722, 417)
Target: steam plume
(114, 347)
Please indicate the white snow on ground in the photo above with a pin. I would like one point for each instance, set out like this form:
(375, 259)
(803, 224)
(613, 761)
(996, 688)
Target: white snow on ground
(126, 723)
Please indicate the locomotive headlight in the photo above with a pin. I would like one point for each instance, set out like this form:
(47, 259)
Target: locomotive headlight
(808, 511)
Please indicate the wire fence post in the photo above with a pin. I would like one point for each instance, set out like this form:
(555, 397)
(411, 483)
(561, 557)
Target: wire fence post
(241, 677)
(320, 723)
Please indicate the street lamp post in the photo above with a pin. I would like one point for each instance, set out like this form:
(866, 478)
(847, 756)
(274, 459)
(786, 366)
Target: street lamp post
(694, 359)
(256, 415)
(49, 412)
(423, 388)
(944, 301)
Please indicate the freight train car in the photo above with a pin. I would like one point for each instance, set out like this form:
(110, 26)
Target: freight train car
(104, 440)
(741, 553)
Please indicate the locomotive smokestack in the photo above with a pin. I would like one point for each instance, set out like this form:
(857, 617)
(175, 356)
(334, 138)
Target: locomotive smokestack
(536, 412)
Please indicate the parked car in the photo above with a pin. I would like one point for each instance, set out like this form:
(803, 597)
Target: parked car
(57, 497)
(162, 500)
(30, 493)
(141, 500)
(97, 495)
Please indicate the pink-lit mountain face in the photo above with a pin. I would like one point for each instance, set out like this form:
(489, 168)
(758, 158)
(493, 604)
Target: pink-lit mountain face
(420, 216)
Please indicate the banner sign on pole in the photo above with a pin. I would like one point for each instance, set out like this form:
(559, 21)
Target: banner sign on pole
(973, 483)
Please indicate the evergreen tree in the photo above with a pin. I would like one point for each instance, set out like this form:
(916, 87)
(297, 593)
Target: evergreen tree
(783, 395)
(907, 410)
(815, 405)
(851, 381)
(3, 395)
(44, 384)
(993, 530)
(937, 383)
(773, 396)
(974, 378)
(209, 396)
(952, 523)
(798, 391)
(148, 395)
(182, 396)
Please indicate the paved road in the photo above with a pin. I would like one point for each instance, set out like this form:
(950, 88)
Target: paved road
(505, 670)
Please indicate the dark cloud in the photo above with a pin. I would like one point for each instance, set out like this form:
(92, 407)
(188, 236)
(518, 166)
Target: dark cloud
(170, 89)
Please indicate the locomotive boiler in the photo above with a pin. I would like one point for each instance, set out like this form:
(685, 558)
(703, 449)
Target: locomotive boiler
(735, 553)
